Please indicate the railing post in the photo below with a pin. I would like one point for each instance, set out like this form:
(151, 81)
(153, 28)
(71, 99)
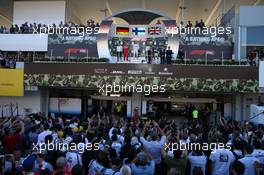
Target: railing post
(206, 58)
(69, 54)
(51, 54)
(222, 58)
(185, 57)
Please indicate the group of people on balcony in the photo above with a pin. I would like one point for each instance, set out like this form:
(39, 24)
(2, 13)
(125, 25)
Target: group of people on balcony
(28, 28)
(255, 55)
(152, 55)
(7, 61)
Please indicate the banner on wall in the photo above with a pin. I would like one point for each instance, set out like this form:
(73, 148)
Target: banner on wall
(65, 105)
(11, 82)
(72, 46)
(206, 46)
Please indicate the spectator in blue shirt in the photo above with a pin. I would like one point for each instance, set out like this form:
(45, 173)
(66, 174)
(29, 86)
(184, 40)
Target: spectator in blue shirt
(143, 165)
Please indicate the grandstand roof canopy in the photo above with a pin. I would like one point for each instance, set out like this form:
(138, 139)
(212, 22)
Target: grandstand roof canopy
(139, 16)
(81, 10)
(208, 10)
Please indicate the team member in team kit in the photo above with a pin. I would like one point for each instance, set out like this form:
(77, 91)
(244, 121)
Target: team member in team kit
(135, 50)
(119, 49)
(126, 52)
(169, 54)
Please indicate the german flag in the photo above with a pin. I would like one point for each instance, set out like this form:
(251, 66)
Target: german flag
(122, 30)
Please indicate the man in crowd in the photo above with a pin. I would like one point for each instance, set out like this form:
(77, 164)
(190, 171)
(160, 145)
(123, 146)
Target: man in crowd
(119, 49)
(181, 55)
(162, 54)
(169, 54)
(154, 146)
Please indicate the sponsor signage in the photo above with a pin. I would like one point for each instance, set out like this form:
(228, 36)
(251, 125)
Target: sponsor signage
(117, 72)
(207, 46)
(72, 46)
(11, 82)
(100, 71)
(134, 72)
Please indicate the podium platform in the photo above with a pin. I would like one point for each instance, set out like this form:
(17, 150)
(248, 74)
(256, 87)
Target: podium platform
(140, 60)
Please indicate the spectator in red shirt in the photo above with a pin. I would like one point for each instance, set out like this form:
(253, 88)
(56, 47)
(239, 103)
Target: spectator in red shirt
(10, 141)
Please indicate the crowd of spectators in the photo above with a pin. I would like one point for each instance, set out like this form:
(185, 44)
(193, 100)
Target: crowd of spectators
(255, 55)
(141, 146)
(7, 61)
(189, 24)
(197, 24)
(27, 28)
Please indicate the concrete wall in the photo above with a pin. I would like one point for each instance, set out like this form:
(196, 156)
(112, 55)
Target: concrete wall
(31, 101)
(242, 105)
(22, 42)
(251, 16)
(72, 13)
(46, 12)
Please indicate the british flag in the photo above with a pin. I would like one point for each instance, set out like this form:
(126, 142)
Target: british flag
(156, 30)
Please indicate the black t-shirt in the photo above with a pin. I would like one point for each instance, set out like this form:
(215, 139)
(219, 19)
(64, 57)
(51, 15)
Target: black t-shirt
(169, 53)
